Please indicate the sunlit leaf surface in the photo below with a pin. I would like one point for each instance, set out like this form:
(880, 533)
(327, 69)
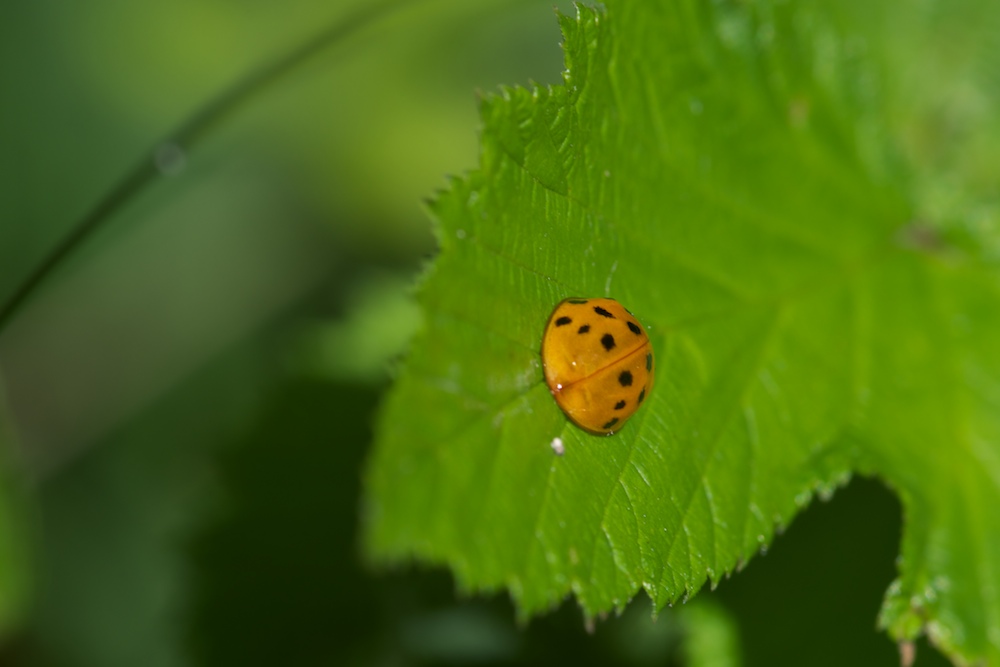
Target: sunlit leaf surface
(748, 179)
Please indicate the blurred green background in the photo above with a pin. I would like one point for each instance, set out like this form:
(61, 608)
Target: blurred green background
(190, 397)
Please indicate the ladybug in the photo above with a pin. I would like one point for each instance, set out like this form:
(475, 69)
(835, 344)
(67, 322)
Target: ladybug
(598, 362)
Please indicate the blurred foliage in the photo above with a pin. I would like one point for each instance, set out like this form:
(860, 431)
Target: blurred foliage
(16, 546)
(192, 392)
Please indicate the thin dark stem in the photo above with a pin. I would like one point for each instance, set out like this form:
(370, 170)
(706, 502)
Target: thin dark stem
(170, 150)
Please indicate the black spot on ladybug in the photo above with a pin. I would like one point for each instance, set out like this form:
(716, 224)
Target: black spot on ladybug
(608, 341)
(603, 313)
(584, 329)
(649, 362)
(576, 301)
(562, 321)
(634, 328)
(610, 423)
(625, 379)
(642, 394)
(619, 405)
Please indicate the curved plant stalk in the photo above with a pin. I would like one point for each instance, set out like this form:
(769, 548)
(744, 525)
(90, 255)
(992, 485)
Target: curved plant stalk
(168, 154)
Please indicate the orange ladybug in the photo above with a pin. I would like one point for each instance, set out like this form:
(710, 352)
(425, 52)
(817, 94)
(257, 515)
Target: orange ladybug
(598, 362)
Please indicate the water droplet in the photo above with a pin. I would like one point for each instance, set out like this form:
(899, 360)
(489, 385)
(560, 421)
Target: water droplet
(460, 233)
(169, 159)
(695, 106)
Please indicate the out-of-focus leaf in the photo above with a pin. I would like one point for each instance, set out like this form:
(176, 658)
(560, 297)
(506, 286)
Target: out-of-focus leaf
(711, 638)
(381, 319)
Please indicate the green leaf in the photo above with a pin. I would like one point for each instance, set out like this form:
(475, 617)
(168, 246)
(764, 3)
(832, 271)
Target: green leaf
(733, 174)
(711, 637)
